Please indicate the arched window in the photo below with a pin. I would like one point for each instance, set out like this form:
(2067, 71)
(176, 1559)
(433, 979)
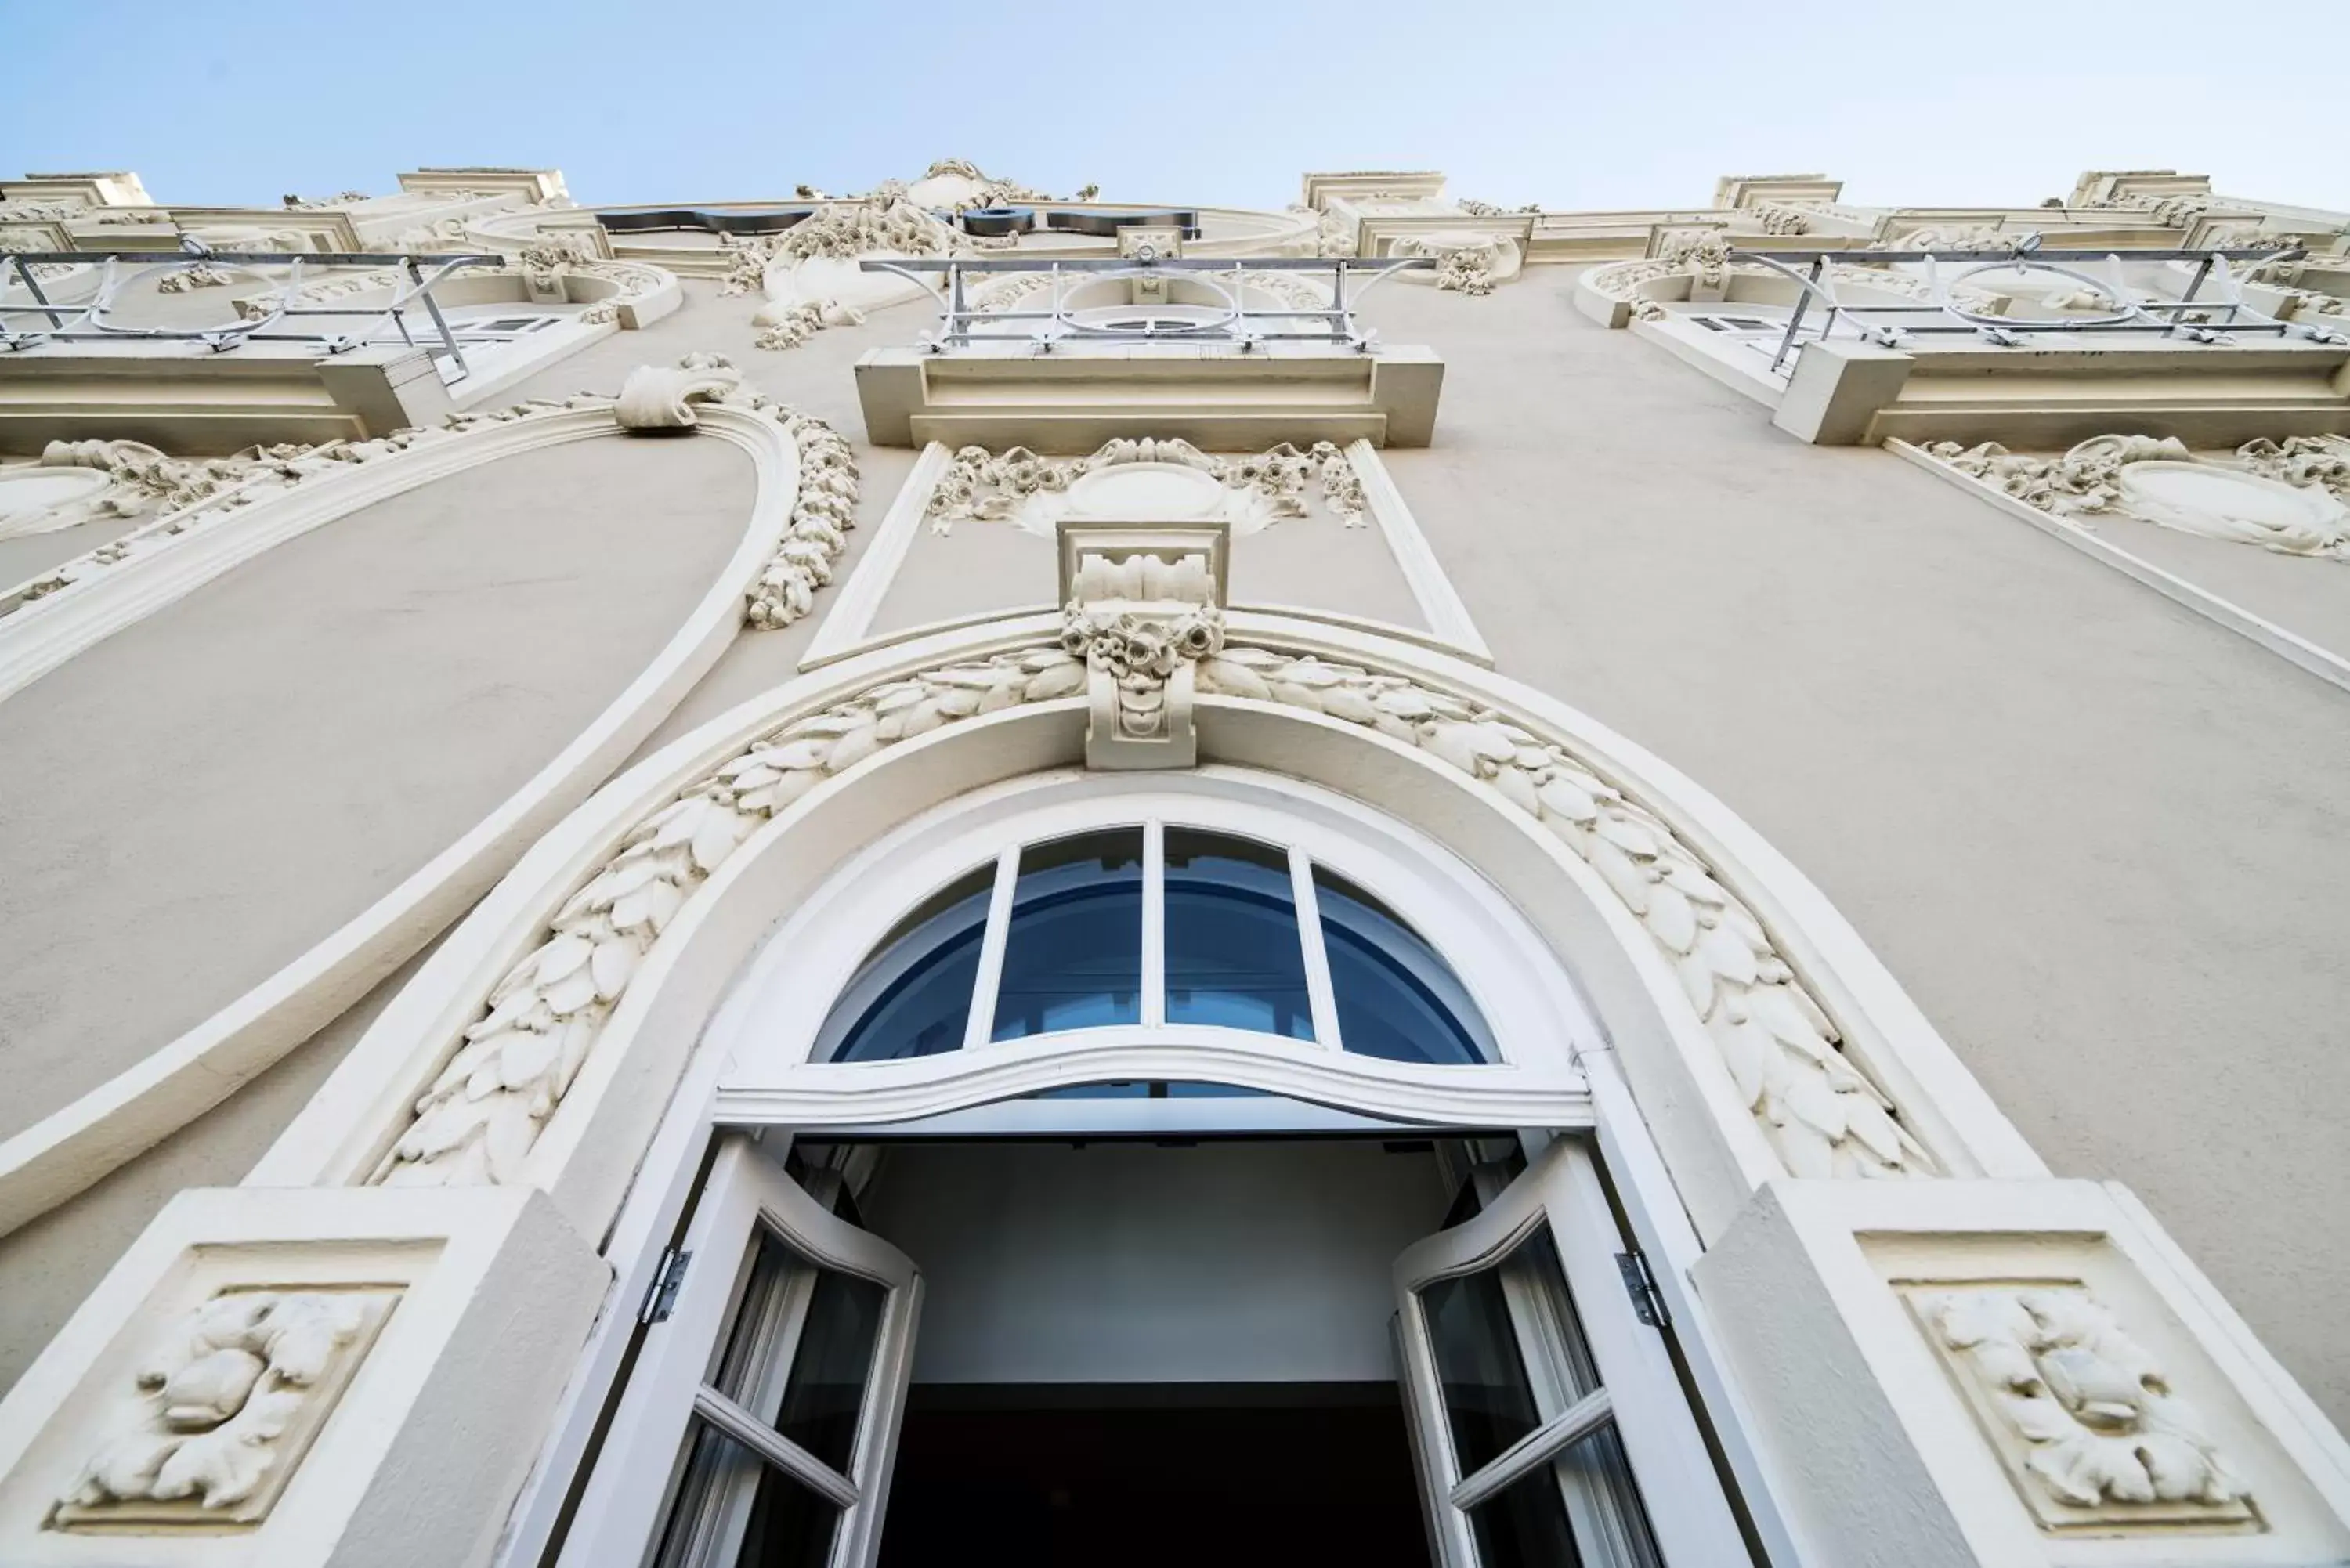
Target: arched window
(1151, 924)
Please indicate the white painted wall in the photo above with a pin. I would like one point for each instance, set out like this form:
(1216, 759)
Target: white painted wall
(1131, 1263)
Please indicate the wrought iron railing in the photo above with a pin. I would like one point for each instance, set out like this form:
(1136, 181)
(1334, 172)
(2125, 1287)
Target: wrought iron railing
(271, 319)
(2194, 315)
(962, 324)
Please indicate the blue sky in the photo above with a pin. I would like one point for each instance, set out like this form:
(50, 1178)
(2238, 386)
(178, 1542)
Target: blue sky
(1568, 103)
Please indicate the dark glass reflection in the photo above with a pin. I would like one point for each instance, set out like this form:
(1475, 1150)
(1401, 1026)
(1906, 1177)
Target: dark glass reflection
(789, 1526)
(1143, 1089)
(1488, 1400)
(830, 1367)
(1397, 998)
(1524, 1526)
(1234, 956)
(1072, 948)
(913, 996)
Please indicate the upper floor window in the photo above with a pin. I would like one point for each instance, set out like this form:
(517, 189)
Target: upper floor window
(1155, 925)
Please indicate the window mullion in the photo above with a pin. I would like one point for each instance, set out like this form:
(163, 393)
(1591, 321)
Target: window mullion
(1154, 924)
(773, 1447)
(1570, 1425)
(1320, 995)
(981, 1025)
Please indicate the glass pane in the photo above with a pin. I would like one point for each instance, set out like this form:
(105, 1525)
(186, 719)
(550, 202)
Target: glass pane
(828, 1321)
(1072, 952)
(1233, 955)
(1524, 1526)
(1144, 1089)
(734, 1513)
(913, 996)
(748, 1369)
(1606, 1504)
(1397, 998)
(826, 1390)
(1509, 1350)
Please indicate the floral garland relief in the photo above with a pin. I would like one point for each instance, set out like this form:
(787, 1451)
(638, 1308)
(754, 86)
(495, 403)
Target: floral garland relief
(479, 1119)
(1017, 486)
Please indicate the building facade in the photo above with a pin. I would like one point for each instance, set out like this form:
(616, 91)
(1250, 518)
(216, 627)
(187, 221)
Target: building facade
(959, 870)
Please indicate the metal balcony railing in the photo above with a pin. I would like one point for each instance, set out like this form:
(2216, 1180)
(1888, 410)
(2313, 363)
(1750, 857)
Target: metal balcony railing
(2194, 315)
(962, 324)
(90, 320)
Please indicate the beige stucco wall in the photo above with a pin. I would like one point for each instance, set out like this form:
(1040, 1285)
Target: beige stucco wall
(192, 803)
(2102, 841)
(47, 1266)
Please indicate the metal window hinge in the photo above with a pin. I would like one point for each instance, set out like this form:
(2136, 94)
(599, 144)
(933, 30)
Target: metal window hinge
(1648, 1302)
(661, 1295)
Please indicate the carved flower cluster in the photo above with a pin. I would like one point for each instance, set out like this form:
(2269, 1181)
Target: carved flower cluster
(480, 1116)
(980, 485)
(822, 515)
(795, 323)
(241, 1365)
(852, 229)
(1131, 646)
(1467, 270)
(1779, 218)
(202, 274)
(2098, 1419)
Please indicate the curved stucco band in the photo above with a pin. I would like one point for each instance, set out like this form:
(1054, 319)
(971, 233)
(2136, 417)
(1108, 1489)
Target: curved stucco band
(65, 1151)
(886, 735)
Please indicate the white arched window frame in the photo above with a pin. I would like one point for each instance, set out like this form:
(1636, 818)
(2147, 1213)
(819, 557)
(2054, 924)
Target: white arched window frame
(758, 1041)
(1537, 1020)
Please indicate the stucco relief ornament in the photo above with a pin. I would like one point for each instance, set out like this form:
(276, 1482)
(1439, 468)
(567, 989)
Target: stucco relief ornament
(656, 397)
(2292, 498)
(1779, 218)
(1821, 1115)
(203, 274)
(1333, 234)
(788, 326)
(224, 1411)
(1028, 491)
(186, 492)
(1953, 239)
(2082, 1415)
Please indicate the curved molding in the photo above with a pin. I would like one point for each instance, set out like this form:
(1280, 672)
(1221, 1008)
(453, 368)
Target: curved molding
(65, 1151)
(837, 1094)
(519, 1010)
(124, 582)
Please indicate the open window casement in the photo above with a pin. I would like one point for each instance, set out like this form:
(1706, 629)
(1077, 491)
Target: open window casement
(1547, 1418)
(762, 1418)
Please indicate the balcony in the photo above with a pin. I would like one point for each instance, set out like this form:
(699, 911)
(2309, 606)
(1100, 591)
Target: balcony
(2020, 344)
(1062, 354)
(202, 351)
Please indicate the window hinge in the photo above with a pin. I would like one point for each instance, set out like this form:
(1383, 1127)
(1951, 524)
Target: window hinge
(1648, 1302)
(661, 1295)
